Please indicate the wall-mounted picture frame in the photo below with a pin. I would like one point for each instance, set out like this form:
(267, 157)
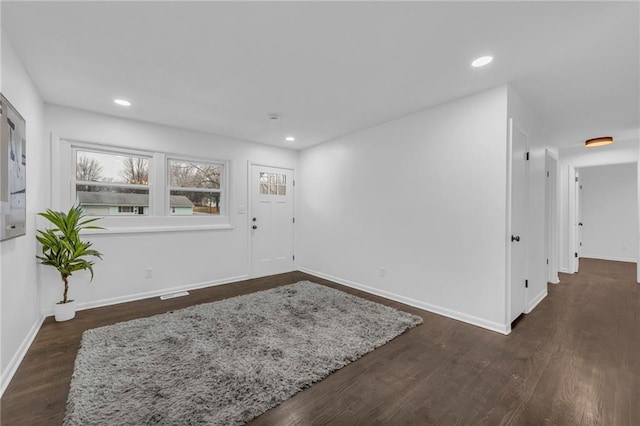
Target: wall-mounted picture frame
(13, 172)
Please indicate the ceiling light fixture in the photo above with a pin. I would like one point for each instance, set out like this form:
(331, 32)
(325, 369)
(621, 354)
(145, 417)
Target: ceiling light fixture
(122, 102)
(482, 61)
(601, 141)
(290, 139)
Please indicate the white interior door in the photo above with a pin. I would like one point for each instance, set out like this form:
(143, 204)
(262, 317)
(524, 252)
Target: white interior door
(578, 223)
(518, 220)
(551, 194)
(271, 220)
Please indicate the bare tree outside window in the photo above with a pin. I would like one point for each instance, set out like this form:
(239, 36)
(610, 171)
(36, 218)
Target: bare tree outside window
(88, 169)
(199, 182)
(193, 175)
(135, 170)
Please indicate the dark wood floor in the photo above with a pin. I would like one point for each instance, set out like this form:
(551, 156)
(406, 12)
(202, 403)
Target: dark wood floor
(574, 360)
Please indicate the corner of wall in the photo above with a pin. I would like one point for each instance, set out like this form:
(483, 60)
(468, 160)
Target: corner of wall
(20, 313)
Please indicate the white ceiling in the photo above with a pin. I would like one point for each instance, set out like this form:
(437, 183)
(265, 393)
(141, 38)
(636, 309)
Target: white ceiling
(330, 68)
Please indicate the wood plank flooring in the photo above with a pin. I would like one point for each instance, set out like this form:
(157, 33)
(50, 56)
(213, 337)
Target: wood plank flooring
(574, 360)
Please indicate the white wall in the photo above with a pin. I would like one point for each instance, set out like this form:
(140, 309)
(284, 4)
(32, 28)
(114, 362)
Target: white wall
(423, 196)
(20, 311)
(610, 212)
(618, 153)
(184, 259)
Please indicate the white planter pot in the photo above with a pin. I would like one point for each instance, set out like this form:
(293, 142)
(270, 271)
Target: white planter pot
(65, 311)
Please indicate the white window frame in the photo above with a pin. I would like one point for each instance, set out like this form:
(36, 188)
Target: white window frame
(159, 218)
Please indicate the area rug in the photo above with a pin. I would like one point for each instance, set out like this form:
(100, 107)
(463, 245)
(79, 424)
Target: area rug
(227, 362)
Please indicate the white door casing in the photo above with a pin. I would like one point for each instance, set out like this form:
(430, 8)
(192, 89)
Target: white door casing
(271, 221)
(518, 222)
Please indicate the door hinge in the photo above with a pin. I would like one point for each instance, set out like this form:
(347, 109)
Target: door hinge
(294, 220)
(547, 174)
(294, 257)
(526, 283)
(293, 182)
(547, 261)
(527, 156)
(575, 254)
(576, 178)
(580, 186)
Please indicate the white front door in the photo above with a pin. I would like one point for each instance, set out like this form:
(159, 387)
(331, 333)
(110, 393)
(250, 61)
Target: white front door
(518, 220)
(271, 220)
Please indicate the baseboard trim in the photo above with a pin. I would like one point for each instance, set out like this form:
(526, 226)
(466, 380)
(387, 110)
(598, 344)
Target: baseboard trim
(17, 358)
(536, 300)
(459, 316)
(613, 258)
(565, 271)
(150, 294)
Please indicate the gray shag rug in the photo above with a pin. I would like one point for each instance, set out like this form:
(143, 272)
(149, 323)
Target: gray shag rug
(227, 362)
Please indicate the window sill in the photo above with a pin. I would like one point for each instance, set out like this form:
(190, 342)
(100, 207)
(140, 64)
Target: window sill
(150, 224)
(155, 229)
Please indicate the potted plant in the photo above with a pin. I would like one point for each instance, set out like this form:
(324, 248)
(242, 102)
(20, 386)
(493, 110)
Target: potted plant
(63, 249)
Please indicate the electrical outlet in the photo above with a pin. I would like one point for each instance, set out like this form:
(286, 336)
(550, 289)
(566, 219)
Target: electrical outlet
(383, 271)
(148, 273)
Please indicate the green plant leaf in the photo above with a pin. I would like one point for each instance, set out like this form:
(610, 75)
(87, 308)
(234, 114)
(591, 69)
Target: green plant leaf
(62, 247)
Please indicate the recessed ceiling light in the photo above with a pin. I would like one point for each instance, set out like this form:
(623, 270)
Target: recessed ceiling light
(605, 140)
(482, 61)
(290, 139)
(122, 102)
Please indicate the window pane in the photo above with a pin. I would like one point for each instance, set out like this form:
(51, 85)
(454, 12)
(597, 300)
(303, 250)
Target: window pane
(273, 189)
(264, 177)
(194, 203)
(272, 178)
(264, 189)
(103, 201)
(102, 167)
(282, 190)
(282, 179)
(195, 175)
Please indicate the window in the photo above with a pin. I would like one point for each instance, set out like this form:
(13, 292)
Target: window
(111, 183)
(132, 210)
(141, 191)
(195, 187)
(273, 184)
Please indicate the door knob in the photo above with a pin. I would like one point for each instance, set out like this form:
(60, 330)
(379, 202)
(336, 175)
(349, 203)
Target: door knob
(254, 227)
(580, 224)
(254, 219)
(516, 238)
